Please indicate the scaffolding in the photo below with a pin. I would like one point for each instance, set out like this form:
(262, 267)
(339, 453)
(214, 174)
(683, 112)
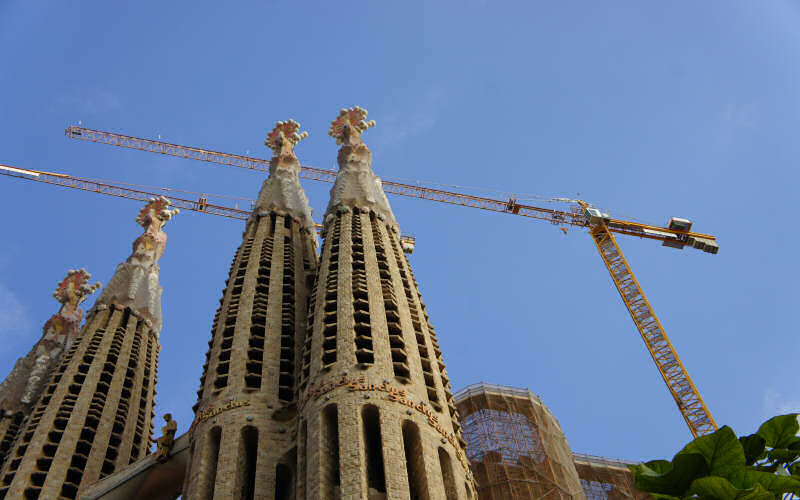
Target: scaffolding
(606, 478)
(515, 445)
(518, 451)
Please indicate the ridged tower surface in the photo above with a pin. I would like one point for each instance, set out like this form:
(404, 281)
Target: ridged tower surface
(243, 438)
(516, 446)
(96, 412)
(21, 389)
(377, 418)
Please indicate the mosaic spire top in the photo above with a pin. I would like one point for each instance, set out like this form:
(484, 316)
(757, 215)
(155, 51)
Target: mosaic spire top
(349, 125)
(284, 137)
(356, 184)
(135, 282)
(282, 191)
(74, 288)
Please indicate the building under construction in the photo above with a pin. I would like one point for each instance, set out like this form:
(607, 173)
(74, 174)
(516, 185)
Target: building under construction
(517, 450)
(324, 377)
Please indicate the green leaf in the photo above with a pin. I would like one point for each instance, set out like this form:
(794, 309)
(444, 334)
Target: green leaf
(719, 488)
(753, 446)
(745, 478)
(795, 470)
(721, 449)
(783, 455)
(669, 478)
(659, 496)
(775, 483)
(780, 431)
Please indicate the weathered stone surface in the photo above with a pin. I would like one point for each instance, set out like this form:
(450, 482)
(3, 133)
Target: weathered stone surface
(96, 412)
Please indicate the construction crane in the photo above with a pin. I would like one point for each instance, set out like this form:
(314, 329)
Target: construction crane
(601, 227)
(114, 188)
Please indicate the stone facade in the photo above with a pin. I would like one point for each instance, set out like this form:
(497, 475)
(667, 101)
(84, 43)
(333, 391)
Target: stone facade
(96, 412)
(324, 381)
(243, 438)
(21, 390)
(323, 378)
(376, 414)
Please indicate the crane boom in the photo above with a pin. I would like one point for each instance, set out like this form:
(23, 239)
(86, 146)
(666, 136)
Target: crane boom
(407, 241)
(581, 214)
(95, 186)
(680, 385)
(510, 206)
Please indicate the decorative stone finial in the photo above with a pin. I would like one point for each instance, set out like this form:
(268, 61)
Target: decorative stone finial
(75, 287)
(156, 208)
(282, 192)
(349, 125)
(356, 186)
(135, 282)
(284, 137)
(24, 384)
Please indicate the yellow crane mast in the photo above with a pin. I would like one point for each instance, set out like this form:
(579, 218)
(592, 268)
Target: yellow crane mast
(601, 227)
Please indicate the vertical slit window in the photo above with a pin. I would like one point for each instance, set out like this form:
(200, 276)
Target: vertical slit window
(376, 476)
(415, 464)
(447, 475)
(283, 482)
(287, 359)
(329, 312)
(330, 453)
(209, 478)
(365, 356)
(249, 459)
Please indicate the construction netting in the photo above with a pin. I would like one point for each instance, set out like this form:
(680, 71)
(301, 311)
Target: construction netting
(516, 447)
(606, 478)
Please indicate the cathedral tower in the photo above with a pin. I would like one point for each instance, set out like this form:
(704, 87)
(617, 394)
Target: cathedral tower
(377, 417)
(96, 410)
(20, 391)
(243, 437)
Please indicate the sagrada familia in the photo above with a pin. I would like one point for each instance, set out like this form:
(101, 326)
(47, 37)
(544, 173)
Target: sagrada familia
(323, 377)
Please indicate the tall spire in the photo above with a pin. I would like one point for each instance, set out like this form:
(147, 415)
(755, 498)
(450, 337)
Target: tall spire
(135, 282)
(375, 411)
(282, 192)
(356, 183)
(95, 414)
(23, 386)
(243, 439)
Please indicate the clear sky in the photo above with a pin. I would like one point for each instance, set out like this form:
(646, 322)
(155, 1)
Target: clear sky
(647, 109)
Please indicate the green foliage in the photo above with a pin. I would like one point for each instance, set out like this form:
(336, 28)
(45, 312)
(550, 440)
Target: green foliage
(720, 466)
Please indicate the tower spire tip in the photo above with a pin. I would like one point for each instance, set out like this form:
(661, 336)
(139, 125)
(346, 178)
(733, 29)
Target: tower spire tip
(284, 136)
(349, 125)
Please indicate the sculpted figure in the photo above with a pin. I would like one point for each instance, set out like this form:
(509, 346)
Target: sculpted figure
(167, 440)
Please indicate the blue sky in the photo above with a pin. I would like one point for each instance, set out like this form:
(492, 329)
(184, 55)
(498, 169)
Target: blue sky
(647, 110)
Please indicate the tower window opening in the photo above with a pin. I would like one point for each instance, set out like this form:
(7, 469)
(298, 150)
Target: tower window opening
(283, 482)
(415, 464)
(249, 450)
(330, 453)
(447, 475)
(212, 456)
(376, 476)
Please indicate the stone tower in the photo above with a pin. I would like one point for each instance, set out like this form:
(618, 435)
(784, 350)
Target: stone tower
(96, 411)
(20, 391)
(376, 415)
(243, 438)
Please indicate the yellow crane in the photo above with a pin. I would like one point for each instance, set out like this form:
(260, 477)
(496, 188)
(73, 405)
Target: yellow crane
(677, 234)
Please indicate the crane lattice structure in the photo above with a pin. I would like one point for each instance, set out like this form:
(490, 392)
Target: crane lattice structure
(601, 227)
